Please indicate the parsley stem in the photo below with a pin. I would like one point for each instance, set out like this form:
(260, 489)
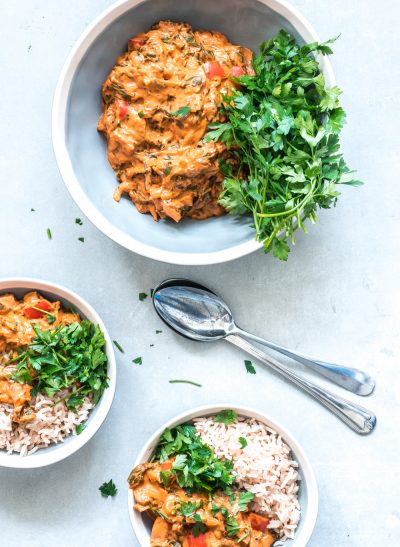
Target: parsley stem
(244, 536)
(185, 382)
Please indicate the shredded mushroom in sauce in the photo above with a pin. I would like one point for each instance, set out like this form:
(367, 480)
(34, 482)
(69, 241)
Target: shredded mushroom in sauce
(157, 103)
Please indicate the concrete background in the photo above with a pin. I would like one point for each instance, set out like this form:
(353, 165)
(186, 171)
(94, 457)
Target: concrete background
(337, 298)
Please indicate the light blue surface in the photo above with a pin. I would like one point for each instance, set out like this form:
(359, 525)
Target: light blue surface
(87, 148)
(337, 298)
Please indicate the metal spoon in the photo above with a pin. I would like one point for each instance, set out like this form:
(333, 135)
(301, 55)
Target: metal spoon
(197, 313)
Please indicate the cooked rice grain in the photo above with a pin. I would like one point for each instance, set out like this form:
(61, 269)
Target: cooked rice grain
(264, 467)
(51, 425)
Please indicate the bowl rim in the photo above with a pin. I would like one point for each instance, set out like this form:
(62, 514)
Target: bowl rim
(309, 477)
(60, 103)
(61, 451)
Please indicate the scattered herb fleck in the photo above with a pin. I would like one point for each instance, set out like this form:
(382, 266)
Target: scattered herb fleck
(118, 346)
(78, 221)
(49, 234)
(227, 417)
(243, 442)
(32, 210)
(142, 296)
(137, 361)
(79, 428)
(181, 112)
(140, 114)
(158, 331)
(185, 382)
(82, 239)
(167, 171)
(108, 489)
(249, 367)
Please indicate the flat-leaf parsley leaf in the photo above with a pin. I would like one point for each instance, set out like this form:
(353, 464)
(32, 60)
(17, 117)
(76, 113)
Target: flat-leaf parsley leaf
(108, 489)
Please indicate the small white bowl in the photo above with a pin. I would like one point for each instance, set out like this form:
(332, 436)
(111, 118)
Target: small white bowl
(308, 495)
(56, 452)
(81, 152)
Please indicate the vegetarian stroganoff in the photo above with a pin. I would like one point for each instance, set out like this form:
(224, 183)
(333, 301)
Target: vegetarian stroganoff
(218, 482)
(157, 103)
(52, 372)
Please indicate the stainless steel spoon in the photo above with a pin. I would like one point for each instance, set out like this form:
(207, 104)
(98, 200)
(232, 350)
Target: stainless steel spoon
(197, 313)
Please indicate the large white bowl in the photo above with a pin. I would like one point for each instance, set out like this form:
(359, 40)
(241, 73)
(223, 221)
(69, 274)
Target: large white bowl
(308, 495)
(56, 452)
(81, 152)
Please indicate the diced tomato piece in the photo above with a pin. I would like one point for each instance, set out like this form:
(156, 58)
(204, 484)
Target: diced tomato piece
(258, 522)
(213, 69)
(198, 541)
(134, 43)
(236, 71)
(122, 108)
(33, 313)
(166, 466)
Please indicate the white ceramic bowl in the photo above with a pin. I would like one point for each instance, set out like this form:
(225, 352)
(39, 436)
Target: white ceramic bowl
(81, 152)
(308, 495)
(56, 452)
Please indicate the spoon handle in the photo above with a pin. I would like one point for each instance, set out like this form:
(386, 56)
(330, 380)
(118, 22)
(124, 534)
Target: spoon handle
(359, 419)
(352, 379)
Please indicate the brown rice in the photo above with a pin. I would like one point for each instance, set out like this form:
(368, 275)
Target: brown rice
(52, 424)
(264, 467)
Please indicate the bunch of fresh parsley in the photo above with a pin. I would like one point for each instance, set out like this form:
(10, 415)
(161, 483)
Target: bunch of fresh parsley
(69, 357)
(195, 466)
(282, 128)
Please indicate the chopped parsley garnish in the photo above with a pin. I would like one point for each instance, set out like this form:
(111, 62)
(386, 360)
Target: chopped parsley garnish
(78, 221)
(49, 234)
(79, 428)
(188, 508)
(195, 466)
(181, 112)
(243, 442)
(214, 509)
(50, 318)
(249, 367)
(227, 417)
(244, 499)
(69, 357)
(199, 527)
(118, 346)
(185, 382)
(82, 239)
(108, 489)
(137, 361)
(282, 126)
(167, 171)
(232, 527)
(142, 296)
(165, 39)
(140, 114)
(244, 536)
